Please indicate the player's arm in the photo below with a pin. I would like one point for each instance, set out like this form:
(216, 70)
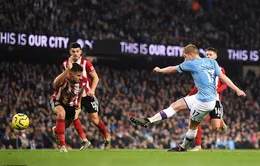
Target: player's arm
(226, 80)
(95, 80)
(185, 66)
(230, 84)
(166, 70)
(193, 91)
(60, 78)
(222, 86)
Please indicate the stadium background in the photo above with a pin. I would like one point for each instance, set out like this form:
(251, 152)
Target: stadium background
(125, 40)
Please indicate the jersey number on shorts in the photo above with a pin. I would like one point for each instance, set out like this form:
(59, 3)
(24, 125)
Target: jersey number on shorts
(217, 111)
(195, 113)
(94, 105)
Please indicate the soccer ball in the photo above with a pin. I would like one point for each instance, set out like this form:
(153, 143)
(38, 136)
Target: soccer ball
(20, 121)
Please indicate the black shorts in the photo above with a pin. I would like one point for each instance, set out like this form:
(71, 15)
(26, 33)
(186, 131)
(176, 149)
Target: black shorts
(69, 110)
(90, 104)
(217, 113)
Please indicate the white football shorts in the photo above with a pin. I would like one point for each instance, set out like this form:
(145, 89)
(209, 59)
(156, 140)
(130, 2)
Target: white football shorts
(199, 110)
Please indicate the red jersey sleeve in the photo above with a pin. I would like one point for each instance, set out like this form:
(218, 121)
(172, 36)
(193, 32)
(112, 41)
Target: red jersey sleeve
(221, 85)
(89, 67)
(193, 91)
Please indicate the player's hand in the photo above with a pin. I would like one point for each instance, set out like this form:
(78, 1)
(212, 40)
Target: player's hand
(241, 93)
(156, 70)
(91, 93)
(69, 66)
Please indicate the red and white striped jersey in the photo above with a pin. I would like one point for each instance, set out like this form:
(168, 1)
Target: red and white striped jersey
(88, 68)
(220, 87)
(68, 93)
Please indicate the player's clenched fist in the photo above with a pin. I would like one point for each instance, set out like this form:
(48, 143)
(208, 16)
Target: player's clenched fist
(156, 70)
(241, 93)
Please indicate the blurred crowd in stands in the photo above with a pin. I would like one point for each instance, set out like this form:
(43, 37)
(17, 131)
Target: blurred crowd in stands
(226, 23)
(27, 88)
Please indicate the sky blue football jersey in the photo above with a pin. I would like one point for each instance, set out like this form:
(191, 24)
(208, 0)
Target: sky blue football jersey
(204, 72)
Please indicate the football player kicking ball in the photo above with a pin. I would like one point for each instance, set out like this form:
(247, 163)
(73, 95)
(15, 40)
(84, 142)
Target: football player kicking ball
(216, 116)
(66, 100)
(204, 72)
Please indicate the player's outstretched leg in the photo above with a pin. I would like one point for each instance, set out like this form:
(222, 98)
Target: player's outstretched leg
(164, 114)
(140, 122)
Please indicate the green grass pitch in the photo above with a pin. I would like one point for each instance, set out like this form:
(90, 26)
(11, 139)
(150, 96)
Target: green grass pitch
(129, 158)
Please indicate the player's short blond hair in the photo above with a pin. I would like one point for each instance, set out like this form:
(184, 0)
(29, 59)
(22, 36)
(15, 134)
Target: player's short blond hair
(190, 48)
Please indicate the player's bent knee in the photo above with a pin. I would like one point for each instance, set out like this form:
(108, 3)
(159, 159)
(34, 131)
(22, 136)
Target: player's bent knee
(60, 114)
